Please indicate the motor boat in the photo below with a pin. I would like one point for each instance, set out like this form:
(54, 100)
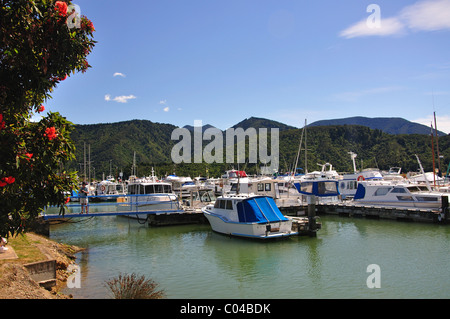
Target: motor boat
(249, 216)
(387, 194)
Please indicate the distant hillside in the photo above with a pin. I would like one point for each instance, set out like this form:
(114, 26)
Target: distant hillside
(115, 144)
(261, 123)
(112, 145)
(390, 125)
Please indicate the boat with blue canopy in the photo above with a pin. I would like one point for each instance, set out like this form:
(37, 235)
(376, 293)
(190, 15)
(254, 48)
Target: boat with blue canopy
(248, 216)
(325, 191)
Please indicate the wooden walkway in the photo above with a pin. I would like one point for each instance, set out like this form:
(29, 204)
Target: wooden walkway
(351, 209)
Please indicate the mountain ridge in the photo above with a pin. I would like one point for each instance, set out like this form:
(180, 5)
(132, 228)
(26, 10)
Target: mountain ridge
(113, 145)
(390, 125)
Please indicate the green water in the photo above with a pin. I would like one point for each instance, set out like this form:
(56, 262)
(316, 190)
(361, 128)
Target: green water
(192, 262)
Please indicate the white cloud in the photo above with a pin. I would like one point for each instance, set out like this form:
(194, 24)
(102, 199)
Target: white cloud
(163, 102)
(119, 74)
(166, 109)
(389, 26)
(120, 99)
(442, 122)
(428, 15)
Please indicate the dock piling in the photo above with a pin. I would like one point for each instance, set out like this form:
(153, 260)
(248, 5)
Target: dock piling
(312, 226)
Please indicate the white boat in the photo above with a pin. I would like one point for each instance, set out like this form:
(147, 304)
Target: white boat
(322, 174)
(248, 216)
(109, 187)
(229, 178)
(148, 195)
(387, 194)
(181, 185)
(284, 193)
(349, 182)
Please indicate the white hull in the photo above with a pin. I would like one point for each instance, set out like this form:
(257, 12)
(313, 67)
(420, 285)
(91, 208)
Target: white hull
(250, 230)
(402, 204)
(397, 195)
(154, 202)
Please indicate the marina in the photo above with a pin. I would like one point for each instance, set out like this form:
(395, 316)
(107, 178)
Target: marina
(181, 161)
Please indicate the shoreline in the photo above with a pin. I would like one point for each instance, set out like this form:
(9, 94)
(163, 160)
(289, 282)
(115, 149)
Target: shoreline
(15, 280)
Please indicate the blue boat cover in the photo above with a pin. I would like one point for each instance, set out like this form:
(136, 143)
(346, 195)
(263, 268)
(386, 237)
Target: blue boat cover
(360, 192)
(259, 209)
(318, 188)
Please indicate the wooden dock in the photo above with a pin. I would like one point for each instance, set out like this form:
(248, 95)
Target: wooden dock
(352, 209)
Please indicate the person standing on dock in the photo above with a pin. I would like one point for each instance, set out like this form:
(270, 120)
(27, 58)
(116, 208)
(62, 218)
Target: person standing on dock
(84, 198)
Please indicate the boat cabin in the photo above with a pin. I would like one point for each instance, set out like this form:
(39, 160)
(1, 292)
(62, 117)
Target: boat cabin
(149, 188)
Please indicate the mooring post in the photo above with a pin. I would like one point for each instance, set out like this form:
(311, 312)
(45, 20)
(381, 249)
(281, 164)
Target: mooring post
(445, 208)
(312, 215)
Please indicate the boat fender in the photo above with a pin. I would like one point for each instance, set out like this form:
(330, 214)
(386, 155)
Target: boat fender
(360, 178)
(103, 188)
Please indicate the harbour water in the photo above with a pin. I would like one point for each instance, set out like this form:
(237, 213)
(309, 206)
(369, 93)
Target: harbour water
(191, 261)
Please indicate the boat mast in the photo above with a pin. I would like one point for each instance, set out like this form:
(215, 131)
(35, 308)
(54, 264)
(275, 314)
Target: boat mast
(437, 143)
(306, 152)
(298, 154)
(432, 152)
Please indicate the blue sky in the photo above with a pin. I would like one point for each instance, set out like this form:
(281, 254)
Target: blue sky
(176, 61)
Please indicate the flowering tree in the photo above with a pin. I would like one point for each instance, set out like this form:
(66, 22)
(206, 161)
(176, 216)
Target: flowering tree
(40, 45)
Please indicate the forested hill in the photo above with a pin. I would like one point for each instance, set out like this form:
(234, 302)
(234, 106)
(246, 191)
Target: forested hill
(390, 125)
(115, 143)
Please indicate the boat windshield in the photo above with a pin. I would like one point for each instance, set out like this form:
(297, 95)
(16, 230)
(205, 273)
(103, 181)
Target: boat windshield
(417, 188)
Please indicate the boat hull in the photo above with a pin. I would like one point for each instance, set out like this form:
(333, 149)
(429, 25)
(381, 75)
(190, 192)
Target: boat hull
(270, 230)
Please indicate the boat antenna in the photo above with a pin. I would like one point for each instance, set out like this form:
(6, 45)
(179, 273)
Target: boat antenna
(423, 172)
(353, 156)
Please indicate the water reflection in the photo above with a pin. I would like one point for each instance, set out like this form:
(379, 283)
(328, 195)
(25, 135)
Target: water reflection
(191, 261)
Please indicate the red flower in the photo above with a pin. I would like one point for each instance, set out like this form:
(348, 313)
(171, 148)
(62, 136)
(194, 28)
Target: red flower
(67, 200)
(41, 109)
(50, 132)
(2, 123)
(87, 24)
(29, 155)
(7, 180)
(62, 79)
(61, 7)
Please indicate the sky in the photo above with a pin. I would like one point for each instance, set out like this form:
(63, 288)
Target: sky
(177, 61)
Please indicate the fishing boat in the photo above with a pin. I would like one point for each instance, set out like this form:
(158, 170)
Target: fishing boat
(248, 216)
(405, 195)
